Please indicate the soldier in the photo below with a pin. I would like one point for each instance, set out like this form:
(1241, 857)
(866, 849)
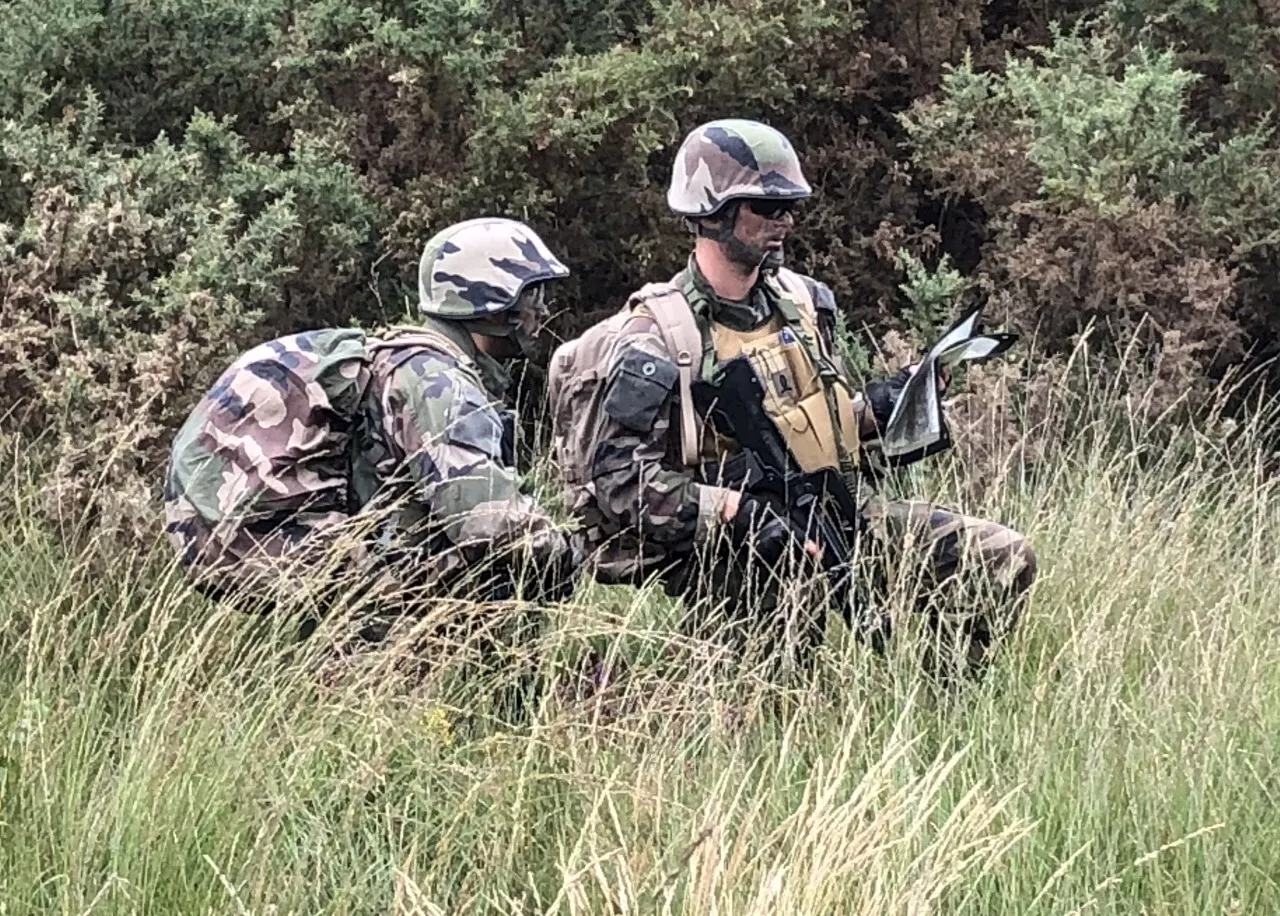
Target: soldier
(337, 460)
(648, 493)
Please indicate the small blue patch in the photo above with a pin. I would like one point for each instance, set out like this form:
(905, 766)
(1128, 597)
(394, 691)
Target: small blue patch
(787, 337)
(306, 341)
(284, 354)
(273, 373)
(226, 399)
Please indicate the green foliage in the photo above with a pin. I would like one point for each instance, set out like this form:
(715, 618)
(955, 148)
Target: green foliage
(1107, 200)
(852, 350)
(1101, 134)
(933, 294)
(151, 63)
(590, 128)
(160, 753)
(247, 167)
(135, 275)
(1106, 131)
(1235, 43)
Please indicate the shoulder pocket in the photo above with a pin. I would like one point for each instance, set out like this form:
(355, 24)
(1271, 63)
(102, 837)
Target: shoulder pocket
(638, 388)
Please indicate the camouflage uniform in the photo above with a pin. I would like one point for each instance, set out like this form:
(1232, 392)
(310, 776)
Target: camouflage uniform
(388, 448)
(651, 514)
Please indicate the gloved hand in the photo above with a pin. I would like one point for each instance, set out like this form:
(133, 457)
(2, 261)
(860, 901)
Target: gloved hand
(770, 532)
(883, 395)
(559, 575)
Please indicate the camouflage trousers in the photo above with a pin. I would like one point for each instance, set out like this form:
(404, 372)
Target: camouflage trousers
(314, 563)
(965, 576)
(307, 558)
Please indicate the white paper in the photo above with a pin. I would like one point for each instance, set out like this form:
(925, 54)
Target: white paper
(916, 421)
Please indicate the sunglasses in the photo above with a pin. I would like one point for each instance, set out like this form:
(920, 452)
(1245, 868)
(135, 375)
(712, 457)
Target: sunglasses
(771, 209)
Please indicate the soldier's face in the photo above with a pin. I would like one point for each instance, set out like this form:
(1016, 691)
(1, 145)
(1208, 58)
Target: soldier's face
(760, 229)
(532, 311)
(525, 325)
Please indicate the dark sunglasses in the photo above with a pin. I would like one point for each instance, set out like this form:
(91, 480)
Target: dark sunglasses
(771, 209)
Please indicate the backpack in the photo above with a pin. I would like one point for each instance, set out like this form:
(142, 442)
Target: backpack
(579, 369)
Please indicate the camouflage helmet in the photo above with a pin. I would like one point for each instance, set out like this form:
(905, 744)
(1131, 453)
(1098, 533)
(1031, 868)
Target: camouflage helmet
(733, 159)
(481, 266)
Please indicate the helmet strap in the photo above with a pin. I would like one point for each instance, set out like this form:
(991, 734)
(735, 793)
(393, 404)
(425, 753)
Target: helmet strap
(718, 226)
(525, 343)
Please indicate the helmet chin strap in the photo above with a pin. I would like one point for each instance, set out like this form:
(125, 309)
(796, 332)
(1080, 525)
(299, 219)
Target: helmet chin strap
(529, 309)
(721, 230)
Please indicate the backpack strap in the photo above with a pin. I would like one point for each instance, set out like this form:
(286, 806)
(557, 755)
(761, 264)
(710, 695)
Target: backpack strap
(793, 283)
(405, 336)
(670, 310)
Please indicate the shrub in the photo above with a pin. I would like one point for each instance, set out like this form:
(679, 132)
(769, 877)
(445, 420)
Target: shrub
(136, 274)
(1106, 203)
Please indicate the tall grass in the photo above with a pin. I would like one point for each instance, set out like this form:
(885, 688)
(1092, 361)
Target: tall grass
(161, 754)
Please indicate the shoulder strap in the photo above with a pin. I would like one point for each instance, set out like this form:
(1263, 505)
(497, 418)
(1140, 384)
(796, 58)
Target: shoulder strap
(794, 284)
(680, 333)
(800, 299)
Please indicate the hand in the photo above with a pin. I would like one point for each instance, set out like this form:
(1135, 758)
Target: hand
(944, 376)
(882, 397)
(757, 521)
(559, 569)
(732, 499)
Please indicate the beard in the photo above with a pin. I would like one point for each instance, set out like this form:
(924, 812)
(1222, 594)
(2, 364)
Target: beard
(745, 255)
(742, 254)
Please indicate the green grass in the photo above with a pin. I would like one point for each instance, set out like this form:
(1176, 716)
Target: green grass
(159, 754)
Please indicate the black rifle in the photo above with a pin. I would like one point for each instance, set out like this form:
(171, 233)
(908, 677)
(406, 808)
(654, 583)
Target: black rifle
(818, 503)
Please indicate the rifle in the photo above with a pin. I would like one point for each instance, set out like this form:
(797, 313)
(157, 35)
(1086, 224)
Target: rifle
(817, 502)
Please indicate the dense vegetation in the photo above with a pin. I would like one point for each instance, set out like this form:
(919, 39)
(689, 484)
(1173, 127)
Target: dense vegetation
(179, 178)
(160, 754)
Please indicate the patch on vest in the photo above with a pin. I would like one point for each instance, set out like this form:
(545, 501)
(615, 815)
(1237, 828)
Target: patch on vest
(787, 337)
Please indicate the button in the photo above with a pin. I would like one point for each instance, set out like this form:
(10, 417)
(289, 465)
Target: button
(648, 368)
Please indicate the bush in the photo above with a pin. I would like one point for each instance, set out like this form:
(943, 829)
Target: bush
(151, 63)
(225, 170)
(135, 275)
(1106, 204)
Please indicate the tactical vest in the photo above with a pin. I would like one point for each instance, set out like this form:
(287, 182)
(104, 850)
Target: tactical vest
(805, 394)
(804, 388)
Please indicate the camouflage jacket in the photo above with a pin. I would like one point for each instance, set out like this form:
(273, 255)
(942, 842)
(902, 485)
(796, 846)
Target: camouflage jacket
(647, 502)
(303, 432)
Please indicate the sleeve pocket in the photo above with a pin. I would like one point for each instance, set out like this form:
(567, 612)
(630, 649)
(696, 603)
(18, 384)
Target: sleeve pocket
(475, 424)
(638, 388)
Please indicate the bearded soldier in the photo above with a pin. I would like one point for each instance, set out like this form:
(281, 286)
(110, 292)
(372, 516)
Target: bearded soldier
(643, 476)
(334, 456)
